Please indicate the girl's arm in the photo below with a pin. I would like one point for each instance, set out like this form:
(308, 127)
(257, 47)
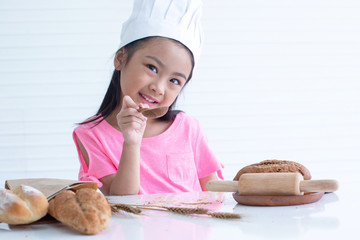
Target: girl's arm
(204, 180)
(132, 125)
(127, 178)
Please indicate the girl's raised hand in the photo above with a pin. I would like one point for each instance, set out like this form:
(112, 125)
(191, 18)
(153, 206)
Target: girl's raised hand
(131, 123)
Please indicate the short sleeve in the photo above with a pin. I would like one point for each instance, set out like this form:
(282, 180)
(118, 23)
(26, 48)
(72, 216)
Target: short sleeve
(100, 164)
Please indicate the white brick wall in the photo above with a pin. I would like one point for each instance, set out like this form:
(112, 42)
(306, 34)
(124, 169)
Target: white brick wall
(277, 79)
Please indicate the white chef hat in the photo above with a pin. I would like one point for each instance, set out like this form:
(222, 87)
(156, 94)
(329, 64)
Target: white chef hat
(175, 19)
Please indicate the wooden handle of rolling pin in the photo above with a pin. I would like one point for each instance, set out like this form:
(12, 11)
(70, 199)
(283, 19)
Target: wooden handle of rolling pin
(222, 186)
(271, 184)
(327, 185)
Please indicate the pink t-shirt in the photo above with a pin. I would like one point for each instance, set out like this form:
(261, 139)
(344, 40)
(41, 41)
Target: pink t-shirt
(173, 161)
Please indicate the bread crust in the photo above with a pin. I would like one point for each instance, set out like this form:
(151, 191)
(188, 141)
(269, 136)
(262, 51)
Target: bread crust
(274, 165)
(85, 210)
(23, 205)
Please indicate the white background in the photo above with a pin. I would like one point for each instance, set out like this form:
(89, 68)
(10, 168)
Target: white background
(277, 79)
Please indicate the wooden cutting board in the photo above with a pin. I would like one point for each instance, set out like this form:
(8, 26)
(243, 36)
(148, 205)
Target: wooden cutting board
(278, 200)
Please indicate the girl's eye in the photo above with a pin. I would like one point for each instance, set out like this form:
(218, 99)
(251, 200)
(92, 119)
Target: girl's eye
(152, 68)
(175, 81)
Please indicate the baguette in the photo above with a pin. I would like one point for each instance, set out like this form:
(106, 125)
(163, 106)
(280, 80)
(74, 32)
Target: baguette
(23, 205)
(85, 210)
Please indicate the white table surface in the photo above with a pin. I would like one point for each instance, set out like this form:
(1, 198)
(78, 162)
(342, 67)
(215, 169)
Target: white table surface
(334, 216)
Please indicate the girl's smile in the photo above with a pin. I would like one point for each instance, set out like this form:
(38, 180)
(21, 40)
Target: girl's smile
(148, 100)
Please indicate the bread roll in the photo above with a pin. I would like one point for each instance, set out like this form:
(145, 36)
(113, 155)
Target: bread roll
(86, 210)
(269, 166)
(23, 205)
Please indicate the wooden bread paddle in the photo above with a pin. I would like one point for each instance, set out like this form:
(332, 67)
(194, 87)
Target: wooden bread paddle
(272, 184)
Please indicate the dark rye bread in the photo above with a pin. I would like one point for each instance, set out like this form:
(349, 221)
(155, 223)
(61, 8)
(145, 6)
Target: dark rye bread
(269, 166)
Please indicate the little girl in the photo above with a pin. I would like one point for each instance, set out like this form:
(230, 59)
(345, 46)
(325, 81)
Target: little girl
(121, 149)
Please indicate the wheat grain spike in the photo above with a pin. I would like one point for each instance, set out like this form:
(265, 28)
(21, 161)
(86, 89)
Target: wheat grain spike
(126, 208)
(224, 215)
(187, 211)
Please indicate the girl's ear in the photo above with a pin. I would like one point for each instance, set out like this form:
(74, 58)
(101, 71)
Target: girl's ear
(120, 59)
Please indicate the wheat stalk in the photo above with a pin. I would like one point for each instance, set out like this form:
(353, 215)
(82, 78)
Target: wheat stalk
(197, 203)
(178, 210)
(136, 209)
(125, 207)
(187, 211)
(225, 215)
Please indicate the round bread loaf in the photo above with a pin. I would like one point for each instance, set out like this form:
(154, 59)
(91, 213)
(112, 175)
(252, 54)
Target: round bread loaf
(85, 210)
(269, 166)
(23, 205)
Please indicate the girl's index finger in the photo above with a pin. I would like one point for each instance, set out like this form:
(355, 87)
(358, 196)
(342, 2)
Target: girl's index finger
(129, 103)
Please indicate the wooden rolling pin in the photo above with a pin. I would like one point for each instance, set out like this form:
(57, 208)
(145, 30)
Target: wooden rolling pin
(272, 184)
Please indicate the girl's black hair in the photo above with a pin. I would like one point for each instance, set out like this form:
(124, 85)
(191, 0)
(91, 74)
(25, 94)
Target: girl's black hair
(113, 94)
